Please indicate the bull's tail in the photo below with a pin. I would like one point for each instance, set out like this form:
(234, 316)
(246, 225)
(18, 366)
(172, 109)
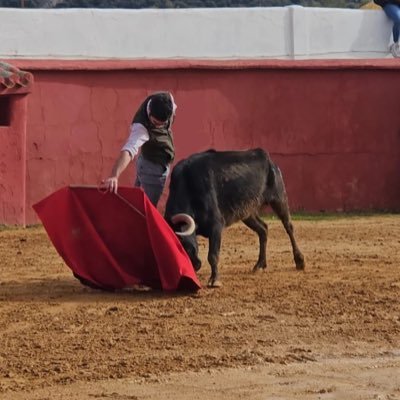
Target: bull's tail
(271, 176)
(277, 199)
(275, 186)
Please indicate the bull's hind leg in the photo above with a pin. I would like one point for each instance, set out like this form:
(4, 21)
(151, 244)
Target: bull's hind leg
(281, 209)
(260, 227)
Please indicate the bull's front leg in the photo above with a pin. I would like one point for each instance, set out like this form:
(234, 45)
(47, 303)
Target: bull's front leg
(214, 246)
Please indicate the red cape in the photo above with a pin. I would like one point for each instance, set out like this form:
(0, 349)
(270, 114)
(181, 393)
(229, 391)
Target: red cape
(115, 241)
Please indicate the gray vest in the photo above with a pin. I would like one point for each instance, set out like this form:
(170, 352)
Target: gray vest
(160, 147)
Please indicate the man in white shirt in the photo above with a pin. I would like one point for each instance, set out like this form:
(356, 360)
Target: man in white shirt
(151, 133)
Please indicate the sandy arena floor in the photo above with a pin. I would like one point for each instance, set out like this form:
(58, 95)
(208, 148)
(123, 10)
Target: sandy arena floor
(330, 332)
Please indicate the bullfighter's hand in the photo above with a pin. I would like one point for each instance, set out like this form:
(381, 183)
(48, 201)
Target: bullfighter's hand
(110, 184)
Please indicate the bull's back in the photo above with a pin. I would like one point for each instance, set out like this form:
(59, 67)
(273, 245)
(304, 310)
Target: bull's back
(212, 159)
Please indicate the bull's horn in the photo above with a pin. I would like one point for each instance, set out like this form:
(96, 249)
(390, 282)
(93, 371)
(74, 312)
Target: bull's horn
(188, 220)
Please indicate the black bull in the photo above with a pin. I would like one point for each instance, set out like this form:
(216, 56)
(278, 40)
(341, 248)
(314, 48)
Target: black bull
(212, 190)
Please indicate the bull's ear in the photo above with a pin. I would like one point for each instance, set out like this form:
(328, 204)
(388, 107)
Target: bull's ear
(189, 225)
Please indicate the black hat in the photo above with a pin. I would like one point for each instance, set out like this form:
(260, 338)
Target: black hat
(161, 106)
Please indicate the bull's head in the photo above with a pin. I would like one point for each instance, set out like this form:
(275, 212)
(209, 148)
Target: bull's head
(187, 237)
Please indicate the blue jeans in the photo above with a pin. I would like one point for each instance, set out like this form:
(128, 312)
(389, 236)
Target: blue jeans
(151, 177)
(393, 12)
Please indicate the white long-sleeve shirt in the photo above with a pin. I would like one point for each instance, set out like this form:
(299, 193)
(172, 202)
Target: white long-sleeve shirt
(139, 135)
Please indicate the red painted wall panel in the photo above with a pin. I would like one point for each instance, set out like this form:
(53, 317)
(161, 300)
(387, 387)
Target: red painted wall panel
(13, 162)
(334, 131)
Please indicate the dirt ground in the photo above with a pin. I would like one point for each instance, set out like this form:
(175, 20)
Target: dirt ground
(330, 332)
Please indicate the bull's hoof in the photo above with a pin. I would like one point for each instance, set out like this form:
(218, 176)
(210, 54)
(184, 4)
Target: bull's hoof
(300, 263)
(257, 269)
(214, 283)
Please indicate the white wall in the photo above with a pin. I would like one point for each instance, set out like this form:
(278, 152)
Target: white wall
(223, 33)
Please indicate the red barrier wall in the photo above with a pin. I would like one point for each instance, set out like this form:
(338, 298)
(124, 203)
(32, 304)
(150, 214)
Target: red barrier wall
(332, 126)
(13, 160)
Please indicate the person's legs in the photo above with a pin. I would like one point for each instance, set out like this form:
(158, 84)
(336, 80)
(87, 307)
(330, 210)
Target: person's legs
(151, 177)
(393, 12)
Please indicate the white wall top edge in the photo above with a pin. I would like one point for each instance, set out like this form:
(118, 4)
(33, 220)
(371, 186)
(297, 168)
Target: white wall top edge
(290, 32)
